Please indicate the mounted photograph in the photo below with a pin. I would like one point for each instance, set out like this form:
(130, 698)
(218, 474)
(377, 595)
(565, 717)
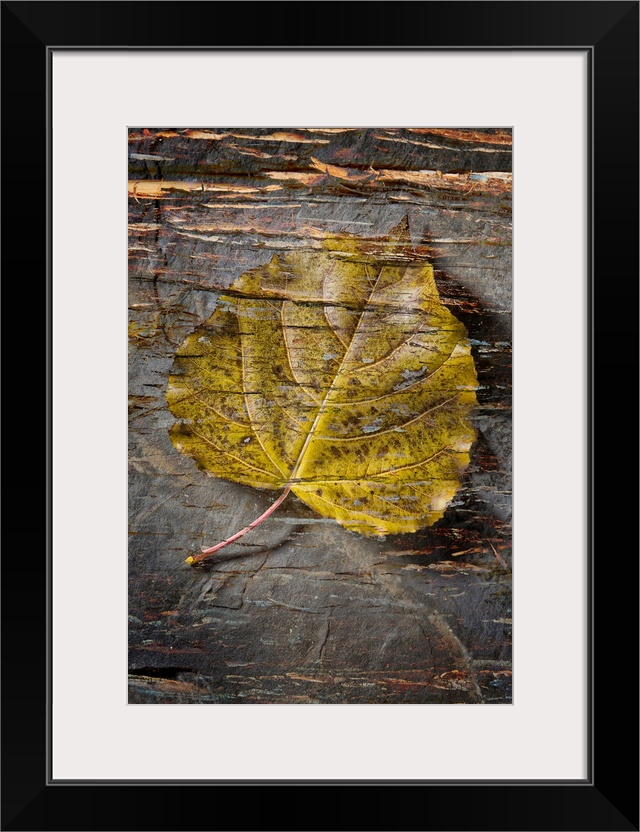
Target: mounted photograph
(320, 443)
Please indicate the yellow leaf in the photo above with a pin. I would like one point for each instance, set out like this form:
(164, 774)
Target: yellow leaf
(339, 373)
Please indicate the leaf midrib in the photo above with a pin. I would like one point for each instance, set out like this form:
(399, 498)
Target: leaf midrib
(330, 389)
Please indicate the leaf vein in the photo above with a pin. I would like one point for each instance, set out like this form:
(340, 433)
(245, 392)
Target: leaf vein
(256, 434)
(388, 430)
(232, 456)
(395, 392)
(285, 330)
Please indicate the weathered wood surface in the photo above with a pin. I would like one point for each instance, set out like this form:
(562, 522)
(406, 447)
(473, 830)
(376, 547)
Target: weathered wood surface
(305, 611)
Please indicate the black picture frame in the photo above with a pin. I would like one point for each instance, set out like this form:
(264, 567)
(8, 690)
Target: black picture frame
(608, 798)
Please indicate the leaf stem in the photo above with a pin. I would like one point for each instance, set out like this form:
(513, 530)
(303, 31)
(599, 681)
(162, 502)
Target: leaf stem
(208, 552)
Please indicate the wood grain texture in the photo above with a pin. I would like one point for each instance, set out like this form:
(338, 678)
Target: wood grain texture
(302, 610)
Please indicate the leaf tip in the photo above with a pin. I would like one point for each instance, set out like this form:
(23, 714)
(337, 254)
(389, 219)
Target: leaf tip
(190, 560)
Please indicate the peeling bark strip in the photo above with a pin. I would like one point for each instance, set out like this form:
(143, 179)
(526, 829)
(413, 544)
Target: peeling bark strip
(157, 190)
(481, 182)
(302, 611)
(470, 137)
